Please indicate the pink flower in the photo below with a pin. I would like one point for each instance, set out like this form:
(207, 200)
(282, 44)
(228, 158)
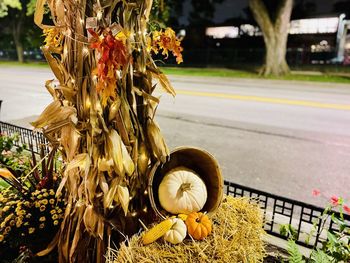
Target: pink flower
(316, 192)
(334, 200)
(346, 209)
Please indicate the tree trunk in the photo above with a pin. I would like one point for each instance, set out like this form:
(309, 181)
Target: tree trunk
(275, 35)
(17, 36)
(19, 49)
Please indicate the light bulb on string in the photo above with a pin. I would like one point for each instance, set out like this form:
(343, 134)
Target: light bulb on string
(85, 50)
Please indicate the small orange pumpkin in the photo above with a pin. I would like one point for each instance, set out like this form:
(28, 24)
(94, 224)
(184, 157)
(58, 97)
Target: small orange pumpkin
(198, 225)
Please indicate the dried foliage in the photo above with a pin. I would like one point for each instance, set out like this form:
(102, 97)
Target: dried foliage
(101, 118)
(236, 237)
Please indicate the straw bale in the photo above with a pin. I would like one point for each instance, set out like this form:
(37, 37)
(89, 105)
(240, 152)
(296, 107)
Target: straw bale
(236, 237)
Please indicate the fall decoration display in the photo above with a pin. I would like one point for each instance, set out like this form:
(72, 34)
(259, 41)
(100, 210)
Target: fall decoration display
(157, 231)
(237, 236)
(202, 163)
(182, 191)
(177, 233)
(102, 117)
(199, 225)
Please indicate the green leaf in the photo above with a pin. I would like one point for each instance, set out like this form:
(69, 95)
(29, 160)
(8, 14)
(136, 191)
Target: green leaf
(6, 4)
(331, 238)
(318, 256)
(294, 254)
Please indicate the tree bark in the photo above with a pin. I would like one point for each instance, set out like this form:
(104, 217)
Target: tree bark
(275, 35)
(17, 36)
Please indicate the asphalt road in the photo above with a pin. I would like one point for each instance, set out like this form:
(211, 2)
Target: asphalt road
(286, 138)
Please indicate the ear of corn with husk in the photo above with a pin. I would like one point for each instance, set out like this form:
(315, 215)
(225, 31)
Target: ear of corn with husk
(157, 231)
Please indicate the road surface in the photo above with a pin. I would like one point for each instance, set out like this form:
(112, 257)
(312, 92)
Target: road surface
(286, 138)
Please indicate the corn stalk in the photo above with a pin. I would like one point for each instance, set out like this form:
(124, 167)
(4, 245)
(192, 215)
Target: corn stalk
(103, 127)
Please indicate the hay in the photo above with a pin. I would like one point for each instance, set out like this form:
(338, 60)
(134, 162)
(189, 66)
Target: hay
(237, 237)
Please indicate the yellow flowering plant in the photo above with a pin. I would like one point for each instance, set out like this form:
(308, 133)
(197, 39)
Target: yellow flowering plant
(30, 211)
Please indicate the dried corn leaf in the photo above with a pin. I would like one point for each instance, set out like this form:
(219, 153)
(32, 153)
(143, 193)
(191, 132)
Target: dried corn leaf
(114, 150)
(103, 183)
(109, 197)
(50, 247)
(55, 65)
(54, 113)
(70, 140)
(165, 83)
(39, 13)
(159, 148)
(104, 165)
(90, 220)
(81, 161)
(50, 89)
(77, 233)
(123, 198)
(114, 108)
(127, 161)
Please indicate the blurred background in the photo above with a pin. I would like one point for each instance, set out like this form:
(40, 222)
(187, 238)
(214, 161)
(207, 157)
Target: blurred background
(216, 33)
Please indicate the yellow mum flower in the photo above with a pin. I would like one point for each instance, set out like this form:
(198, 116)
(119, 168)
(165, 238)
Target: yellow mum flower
(7, 230)
(8, 218)
(6, 208)
(52, 192)
(37, 204)
(44, 201)
(55, 223)
(42, 219)
(41, 226)
(12, 222)
(52, 201)
(55, 216)
(1, 238)
(40, 196)
(45, 194)
(42, 208)
(31, 230)
(19, 223)
(53, 211)
(3, 224)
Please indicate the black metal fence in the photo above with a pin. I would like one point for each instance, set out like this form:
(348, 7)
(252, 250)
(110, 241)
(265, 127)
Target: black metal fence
(277, 210)
(27, 137)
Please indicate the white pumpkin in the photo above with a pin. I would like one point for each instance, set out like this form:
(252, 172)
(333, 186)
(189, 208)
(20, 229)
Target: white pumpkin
(177, 233)
(182, 191)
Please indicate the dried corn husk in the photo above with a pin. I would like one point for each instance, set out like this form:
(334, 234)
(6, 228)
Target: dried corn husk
(108, 139)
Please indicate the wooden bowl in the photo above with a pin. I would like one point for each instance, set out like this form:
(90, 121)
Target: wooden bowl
(198, 160)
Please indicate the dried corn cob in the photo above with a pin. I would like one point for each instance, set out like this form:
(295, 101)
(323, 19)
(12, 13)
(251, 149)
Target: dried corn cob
(157, 231)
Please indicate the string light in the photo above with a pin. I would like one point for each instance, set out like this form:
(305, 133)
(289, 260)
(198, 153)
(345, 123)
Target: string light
(145, 192)
(99, 15)
(133, 214)
(81, 21)
(87, 103)
(145, 209)
(85, 50)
